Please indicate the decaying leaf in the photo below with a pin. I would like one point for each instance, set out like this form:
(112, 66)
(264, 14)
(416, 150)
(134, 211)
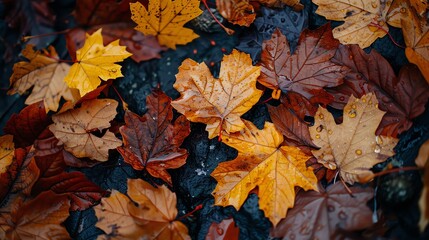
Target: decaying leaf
(264, 163)
(149, 214)
(7, 152)
(416, 37)
(318, 215)
(224, 230)
(39, 218)
(308, 70)
(94, 61)
(74, 128)
(402, 98)
(152, 142)
(352, 147)
(364, 21)
(219, 103)
(28, 124)
(115, 19)
(45, 74)
(165, 19)
(238, 12)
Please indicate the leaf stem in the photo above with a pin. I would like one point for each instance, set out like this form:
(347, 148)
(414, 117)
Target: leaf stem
(388, 34)
(26, 38)
(124, 104)
(198, 207)
(229, 31)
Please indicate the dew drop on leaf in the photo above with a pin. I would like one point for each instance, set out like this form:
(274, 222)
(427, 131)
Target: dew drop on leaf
(358, 152)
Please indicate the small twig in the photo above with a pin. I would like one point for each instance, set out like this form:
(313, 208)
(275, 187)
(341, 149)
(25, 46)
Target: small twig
(198, 207)
(388, 34)
(26, 38)
(124, 104)
(229, 31)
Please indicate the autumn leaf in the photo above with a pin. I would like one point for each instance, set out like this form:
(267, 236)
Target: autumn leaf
(403, 98)
(165, 19)
(318, 215)
(152, 217)
(74, 128)
(364, 21)
(224, 230)
(39, 218)
(352, 147)
(152, 142)
(236, 11)
(264, 163)
(219, 103)
(295, 4)
(422, 160)
(308, 70)
(45, 74)
(416, 37)
(7, 152)
(115, 19)
(94, 61)
(28, 124)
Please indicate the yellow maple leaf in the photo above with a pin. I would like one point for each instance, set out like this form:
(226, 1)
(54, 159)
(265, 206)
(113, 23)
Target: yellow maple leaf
(74, 128)
(364, 21)
(94, 61)
(165, 19)
(264, 163)
(219, 103)
(352, 146)
(7, 152)
(46, 74)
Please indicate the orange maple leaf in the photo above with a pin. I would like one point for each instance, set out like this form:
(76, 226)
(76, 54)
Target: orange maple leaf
(265, 163)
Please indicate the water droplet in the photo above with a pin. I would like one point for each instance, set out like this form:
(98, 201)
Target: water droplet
(377, 149)
(162, 165)
(319, 128)
(403, 10)
(331, 208)
(329, 131)
(378, 140)
(317, 136)
(363, 100)
(353, 106)
(358, 152)
(342, 98)
(342, 215)
(219, 231)
(376, 105)
(352, 113)
(321, 116)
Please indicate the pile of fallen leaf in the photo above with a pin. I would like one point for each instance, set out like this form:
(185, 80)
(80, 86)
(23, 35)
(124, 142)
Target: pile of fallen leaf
(334, 115)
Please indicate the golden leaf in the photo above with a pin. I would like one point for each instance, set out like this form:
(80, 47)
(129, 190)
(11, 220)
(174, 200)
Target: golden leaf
(219, 103)
(165, 19)
(264, 163)
(46, 74)
(352, 146)
(94, 61)
(74, 128)
(362, 19)
(7, 152)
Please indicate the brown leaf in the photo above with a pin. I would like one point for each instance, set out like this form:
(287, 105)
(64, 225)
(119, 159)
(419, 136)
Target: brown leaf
(28, 124)
(320, 214)
(308, 70)
(423, 155)
(238, 12)
(422, 160)
(402, 98)
(7, 152)
(219, 103)
(223, 230)
(295, 4)
(149, 214)
(352, 146)
(152, 142)
(299, 104)
(74, 128)
(39, 218)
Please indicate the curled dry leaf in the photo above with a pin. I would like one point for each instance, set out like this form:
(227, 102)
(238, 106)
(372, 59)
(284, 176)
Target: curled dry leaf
(39, 218)
(74, 128)
(7, 152)
(264, 163)
(149, 214)
(402, 98)
(152, 142)
(238, 12)
(318, 215)
(224, 230)
(165, 19)
(308, 70)
(219, 103)
(364, 21)
(28, 124)
(352, 146)
(94, 61)
(416, 36)
(45, 74)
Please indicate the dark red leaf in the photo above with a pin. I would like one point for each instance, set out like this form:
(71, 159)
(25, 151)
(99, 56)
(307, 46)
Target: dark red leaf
(28, 124)
(300, 105)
